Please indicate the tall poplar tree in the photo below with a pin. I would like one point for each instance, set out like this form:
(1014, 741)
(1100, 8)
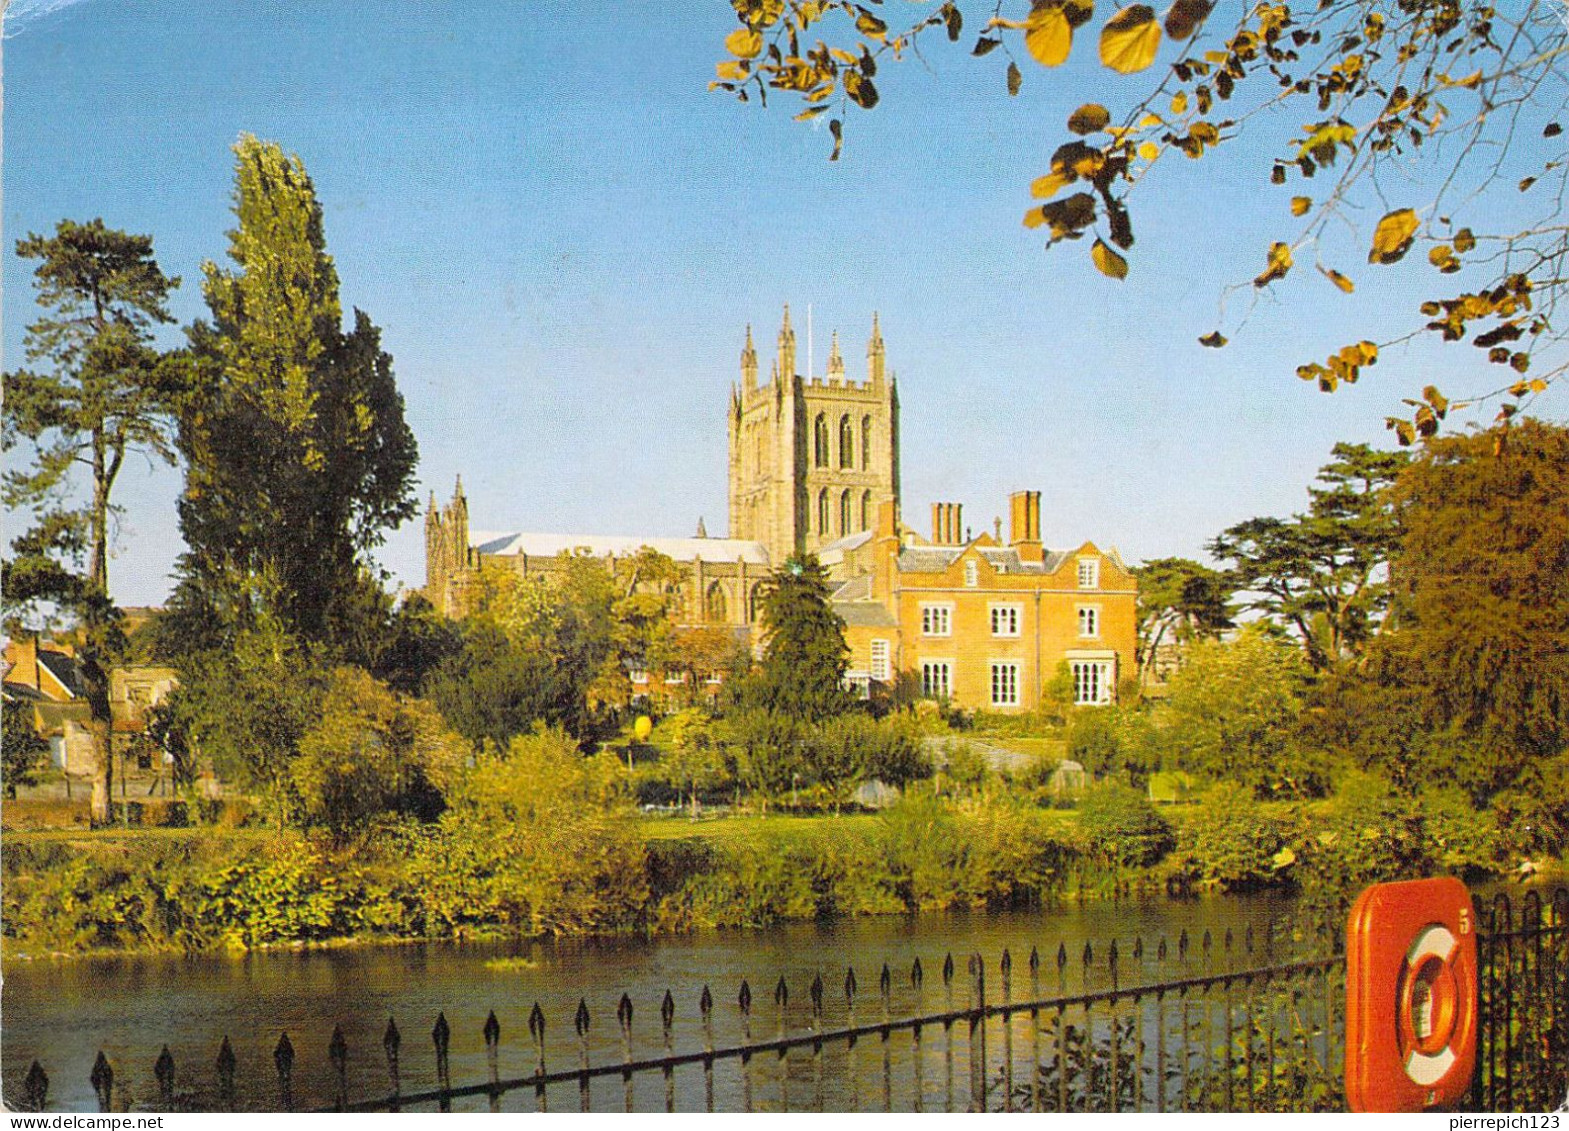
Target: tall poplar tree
(100, 391)
(299, 459)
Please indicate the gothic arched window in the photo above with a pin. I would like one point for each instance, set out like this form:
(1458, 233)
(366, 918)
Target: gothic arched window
(846, 442)
(714, 607)
(866, 443)
(820, 441)
(822, 511)
(844, 513)
(866, 510)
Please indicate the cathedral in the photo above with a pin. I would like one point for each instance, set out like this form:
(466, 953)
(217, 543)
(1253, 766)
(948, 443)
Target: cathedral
(814, 468)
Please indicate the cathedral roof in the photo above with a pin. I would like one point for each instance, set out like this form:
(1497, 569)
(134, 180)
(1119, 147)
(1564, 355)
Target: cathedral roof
(621, 545)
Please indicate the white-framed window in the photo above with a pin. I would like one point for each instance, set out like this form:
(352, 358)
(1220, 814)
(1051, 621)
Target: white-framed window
(638, 675)
(676, 678)
(972, 573)
(1089, 573)
(1005, 685)
(936, 620)
(882, 669)
(858, 684)
(936, 678)
(1089, 620)
(1091, 682)
(1006, 620)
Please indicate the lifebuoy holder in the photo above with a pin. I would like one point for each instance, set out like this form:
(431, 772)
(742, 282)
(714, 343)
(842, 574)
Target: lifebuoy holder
(1411, 1000)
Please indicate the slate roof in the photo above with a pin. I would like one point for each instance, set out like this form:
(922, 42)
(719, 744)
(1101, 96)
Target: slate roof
(621, 545)
(870, 614)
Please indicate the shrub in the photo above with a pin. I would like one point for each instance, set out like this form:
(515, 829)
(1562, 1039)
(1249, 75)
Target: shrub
(1121, 828)
(1232, 842)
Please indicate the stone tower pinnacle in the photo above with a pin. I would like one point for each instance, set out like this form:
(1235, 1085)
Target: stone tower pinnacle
(835, 362)
(786, 347)
(875, 360)
(749, 363)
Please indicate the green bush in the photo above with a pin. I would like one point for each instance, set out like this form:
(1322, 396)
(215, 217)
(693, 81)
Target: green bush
(1121, 828)
(1231, 842)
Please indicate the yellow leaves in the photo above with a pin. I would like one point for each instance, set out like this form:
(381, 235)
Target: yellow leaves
(1179, 102)
(1148, 150)
(1283, 859)
(1464, 240)
(744, 43)
(1344, 365)
(1470, 82)
(1108, 262)
(1338, 279)
(1443, 257)
(1392, 238)
(1049, 186)
(1300, 205)
(869, 25)
(1324, 139)
(1185, 16)
(1066, 217)
(1089, 118)
(1521, 388)
(1130, 39)
(730, 70)
(1278, 263)
(1213, 340)
(1048, 36)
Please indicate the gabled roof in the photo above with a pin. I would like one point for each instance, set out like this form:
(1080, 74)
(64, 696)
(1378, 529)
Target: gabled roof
(869, 613)
(621, 545)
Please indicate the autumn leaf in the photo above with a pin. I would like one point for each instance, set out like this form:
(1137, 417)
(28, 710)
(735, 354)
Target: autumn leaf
(730, 69)
(1278, 264)
(1089, 118)
(1047, 36)
(1214, 340)
(1300, 205)
(744, 43)
(1465, 240)
(1049, 186)
(1130, 39)
(1108, 262)
(1185, 16)
(1338, 279)
(1015, 79)
(1392, 238)
(1148, 150)
(1179, 102)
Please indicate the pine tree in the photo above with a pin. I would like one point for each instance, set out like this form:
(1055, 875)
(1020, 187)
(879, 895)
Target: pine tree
(299, 457)
(102, 391)
(804, 658)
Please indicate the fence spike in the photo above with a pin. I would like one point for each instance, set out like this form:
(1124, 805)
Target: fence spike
(391, 1039)
(1208, 941)
(816, 990)
(536, 1023)
(283, 1060)
(1088, 957)
(492, 1030)
(1182, 943)
(1005, 964)
(849, 985)
(1138, 947)
(744, 998)
(102, 1079)
(1062, 955)
(338, 1052)
(781, 993)
(283, 1055)
(1228, 939)
(163, 1072)
(1160, 951)
(667, 1011)
(1247, 938)
(705, 1003)
(35, 1088)
(580, 1020)
(226, 1066)
(947, 969)
(1035, 960)
(1111, 955)
(624, 1013)
(917, 975)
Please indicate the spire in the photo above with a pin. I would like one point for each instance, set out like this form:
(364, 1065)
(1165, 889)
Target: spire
(749, 363)
(786, 347)
(431, 508)
(457, 489)
(835, 362)
(875, 354)
(702, 531)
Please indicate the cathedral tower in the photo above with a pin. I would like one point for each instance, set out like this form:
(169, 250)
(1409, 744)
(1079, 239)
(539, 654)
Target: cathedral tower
(813, 457)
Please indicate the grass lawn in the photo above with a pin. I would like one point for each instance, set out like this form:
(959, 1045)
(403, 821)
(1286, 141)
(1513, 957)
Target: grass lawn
(740, 828)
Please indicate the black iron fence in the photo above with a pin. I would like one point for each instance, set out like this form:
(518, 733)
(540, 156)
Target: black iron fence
(1223, 1024)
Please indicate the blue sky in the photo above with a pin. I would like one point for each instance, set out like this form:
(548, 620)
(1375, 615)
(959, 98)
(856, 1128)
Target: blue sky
(563, 236)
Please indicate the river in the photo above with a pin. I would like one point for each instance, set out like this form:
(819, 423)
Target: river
(61, 1012)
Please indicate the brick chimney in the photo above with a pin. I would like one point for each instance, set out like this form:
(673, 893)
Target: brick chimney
(1024, 525)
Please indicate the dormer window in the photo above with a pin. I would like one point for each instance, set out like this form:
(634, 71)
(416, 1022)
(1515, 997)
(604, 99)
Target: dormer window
(1089, 573)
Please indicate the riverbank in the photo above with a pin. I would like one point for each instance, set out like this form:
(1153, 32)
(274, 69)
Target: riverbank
(219, 889)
